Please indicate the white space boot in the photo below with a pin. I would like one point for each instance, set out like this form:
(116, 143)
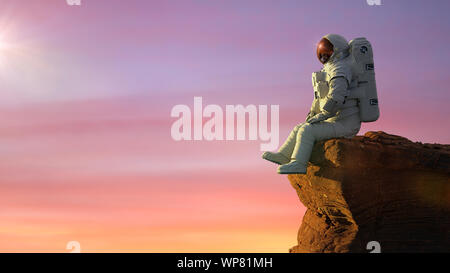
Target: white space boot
(283, 156)
(277, 158)
(293, 167)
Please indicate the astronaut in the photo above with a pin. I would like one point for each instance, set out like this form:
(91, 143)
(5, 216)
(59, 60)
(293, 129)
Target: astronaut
(333, 112)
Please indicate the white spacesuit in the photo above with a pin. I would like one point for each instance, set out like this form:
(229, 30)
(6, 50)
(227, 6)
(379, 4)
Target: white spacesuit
(334, 113)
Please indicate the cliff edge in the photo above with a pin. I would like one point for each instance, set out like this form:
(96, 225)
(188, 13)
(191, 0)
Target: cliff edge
(377, 187)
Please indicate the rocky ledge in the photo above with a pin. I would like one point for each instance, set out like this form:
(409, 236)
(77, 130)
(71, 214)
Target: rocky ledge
(377, 187)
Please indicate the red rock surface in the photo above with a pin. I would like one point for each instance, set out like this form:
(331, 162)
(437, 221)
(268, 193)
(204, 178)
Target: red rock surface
(376, 187)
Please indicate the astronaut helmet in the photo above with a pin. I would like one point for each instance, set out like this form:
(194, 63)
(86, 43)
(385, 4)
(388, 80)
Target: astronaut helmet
(324, 50)
(332, 47)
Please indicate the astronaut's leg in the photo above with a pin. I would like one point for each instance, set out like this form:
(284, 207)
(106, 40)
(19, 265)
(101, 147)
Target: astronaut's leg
(306, 137)
(283, 156)
(309, 133)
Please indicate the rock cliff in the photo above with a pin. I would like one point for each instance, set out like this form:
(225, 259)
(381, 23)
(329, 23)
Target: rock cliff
(376, 187)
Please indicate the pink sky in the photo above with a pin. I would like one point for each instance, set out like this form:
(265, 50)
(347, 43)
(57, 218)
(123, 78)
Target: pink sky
(85, 101)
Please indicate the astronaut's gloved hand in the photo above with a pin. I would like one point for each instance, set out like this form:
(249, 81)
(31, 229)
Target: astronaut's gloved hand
(328, 110)
(320, 117)
(330, 106)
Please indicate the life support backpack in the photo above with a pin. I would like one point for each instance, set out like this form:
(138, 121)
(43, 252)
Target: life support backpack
(363, 85)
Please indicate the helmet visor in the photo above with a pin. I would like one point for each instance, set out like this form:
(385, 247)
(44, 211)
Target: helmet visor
(324, 50)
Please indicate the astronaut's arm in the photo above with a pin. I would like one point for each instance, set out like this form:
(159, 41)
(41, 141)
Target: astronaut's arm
(337, 95)
(335, 99)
